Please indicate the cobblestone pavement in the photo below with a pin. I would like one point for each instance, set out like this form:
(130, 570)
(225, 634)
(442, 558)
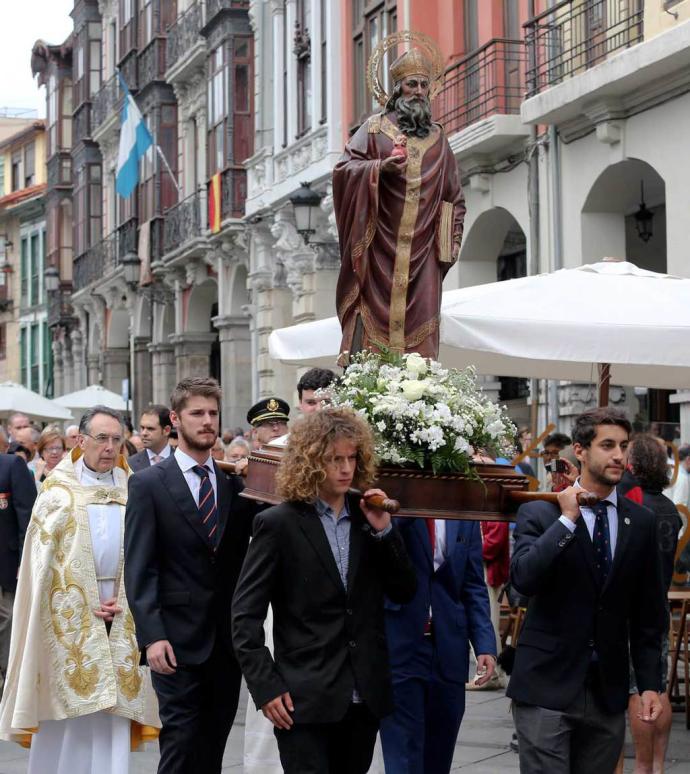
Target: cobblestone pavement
(482, 748)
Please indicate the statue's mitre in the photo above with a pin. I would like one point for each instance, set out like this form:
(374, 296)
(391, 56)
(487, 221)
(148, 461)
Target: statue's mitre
(423, 57)
(412, 62)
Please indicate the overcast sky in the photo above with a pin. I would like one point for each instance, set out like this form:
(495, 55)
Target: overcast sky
(23, 23)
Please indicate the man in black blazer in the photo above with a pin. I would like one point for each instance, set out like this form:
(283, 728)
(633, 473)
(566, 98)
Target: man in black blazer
(186, 534)
(594, 582)
(17, 496)
(154, 430)
(323, 560)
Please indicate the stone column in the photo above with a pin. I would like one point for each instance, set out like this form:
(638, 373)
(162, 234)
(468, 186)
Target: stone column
(93, 369)
(142, 378)
(192, 353)
(79, 359)
(58, 373)
(115, 368)
(67, 368)
(163, 372)
(236, 368)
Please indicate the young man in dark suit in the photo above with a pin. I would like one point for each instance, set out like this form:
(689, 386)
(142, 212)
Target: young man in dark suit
(154, 429)
(186, 534)
(17, 496)
(593, 578)
(323, 560)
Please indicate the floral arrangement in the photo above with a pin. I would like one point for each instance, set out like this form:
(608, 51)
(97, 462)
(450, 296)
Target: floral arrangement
(422, 413)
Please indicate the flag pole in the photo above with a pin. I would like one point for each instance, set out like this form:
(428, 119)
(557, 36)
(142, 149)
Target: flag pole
(167, 167)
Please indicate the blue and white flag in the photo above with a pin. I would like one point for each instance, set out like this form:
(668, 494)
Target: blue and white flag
(135, 140)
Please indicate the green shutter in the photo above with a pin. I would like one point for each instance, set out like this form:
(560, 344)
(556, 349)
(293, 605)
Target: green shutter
(23, 357)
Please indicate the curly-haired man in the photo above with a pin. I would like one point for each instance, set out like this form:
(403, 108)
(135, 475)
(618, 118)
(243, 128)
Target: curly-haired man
(324, 560)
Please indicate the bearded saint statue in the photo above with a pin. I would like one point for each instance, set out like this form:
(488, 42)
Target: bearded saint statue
(399, 209)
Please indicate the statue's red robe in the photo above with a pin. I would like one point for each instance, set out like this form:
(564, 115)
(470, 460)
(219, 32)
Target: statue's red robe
(397, 238)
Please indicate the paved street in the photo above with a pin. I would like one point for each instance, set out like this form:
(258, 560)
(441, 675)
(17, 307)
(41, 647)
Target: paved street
(482, 747)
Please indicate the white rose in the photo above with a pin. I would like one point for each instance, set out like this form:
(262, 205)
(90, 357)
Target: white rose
(416, 364)
(412, 389)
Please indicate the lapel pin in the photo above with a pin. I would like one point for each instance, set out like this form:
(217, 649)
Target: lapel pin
(626, 520)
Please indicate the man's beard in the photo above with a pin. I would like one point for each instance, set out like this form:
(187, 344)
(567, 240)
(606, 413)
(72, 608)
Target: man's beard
(192, 443)
(414, 116)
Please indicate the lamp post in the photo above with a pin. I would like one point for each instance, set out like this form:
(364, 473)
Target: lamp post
(306, 204)
(131, 265)
(51, 279)
(644, 218)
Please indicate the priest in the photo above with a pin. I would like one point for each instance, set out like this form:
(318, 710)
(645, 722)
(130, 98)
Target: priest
(399, 209)
(75, 691)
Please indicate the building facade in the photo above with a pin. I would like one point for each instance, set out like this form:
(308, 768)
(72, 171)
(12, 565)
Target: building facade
(25, 351)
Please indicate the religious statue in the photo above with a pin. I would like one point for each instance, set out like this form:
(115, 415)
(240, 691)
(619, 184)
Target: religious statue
(399, 209)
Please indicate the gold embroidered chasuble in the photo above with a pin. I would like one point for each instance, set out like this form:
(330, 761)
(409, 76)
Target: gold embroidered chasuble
(63, 662)
(397, 235)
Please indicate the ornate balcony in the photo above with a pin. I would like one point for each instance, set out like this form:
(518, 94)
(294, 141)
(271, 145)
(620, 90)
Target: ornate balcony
(216, 7)
(104, 257)
(106, 103)
(60, 310)
(59, 168)
(95, 263)
(183, 222)
(233, 192)
(152, 62)
(184, 37)
(572, 36)
(488, 81)
(82, 123)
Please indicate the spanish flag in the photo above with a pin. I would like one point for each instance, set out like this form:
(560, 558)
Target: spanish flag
(214, 217)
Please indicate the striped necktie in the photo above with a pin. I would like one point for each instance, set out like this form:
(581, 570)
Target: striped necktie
(208, 512)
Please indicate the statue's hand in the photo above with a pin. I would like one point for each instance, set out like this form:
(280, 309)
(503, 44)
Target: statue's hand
(456, 251)
(394, 165)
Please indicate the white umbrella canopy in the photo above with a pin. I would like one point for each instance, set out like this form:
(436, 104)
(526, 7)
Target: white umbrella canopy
(557, 326)
(16, 397)
(91, 396)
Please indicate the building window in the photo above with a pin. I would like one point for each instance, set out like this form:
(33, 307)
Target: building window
(52, 114)
(3, 341)
(88, 207)
(35, 269)
(145, 23)
(2, 178)
(34, 358)
(30, 165)
(242, 123)
(24, 356)
(217, 110)
(302, 50)
(372, 20)
(17, 170)
(47, 361)
(157, 191)
(128, 27)
(24, 272)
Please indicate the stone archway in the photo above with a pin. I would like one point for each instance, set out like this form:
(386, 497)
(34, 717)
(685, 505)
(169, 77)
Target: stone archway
(162, 349)
(608, 215)
(196, 346)
(116, 356)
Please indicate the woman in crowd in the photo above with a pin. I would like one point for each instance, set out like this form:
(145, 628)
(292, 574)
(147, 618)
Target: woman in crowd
(51, 449)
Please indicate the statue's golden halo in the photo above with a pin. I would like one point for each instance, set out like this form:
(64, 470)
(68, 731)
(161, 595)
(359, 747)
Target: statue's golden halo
(424, 42)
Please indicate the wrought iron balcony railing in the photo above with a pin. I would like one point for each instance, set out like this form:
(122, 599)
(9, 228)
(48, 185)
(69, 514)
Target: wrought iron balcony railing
(487, 81)
(183, 33)
(59, 306)
(573, 36)
(104, 257)
(183, 221)
(152, 62)
(106, 102)
(214, 7)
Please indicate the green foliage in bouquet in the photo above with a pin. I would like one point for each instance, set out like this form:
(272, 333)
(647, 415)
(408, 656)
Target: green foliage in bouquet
(423, 414)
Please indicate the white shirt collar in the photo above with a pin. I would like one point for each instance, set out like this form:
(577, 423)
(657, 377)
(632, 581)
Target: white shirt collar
(90, 477)
(611, 498)
(164, 453)
(187, 463)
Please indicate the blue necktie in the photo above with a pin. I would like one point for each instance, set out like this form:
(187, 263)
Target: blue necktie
(207, 504)
(601, 539)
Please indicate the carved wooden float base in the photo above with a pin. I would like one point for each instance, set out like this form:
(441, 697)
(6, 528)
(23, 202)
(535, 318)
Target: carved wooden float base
(420, 493)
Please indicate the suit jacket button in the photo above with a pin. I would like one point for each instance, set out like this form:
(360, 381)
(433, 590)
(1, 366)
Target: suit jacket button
(352, 644)
(590, 643)
(348, 611)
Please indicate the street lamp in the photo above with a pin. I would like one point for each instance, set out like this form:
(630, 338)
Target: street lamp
(644, 218)
(51, 279)
(306, 203)
(131, 265)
